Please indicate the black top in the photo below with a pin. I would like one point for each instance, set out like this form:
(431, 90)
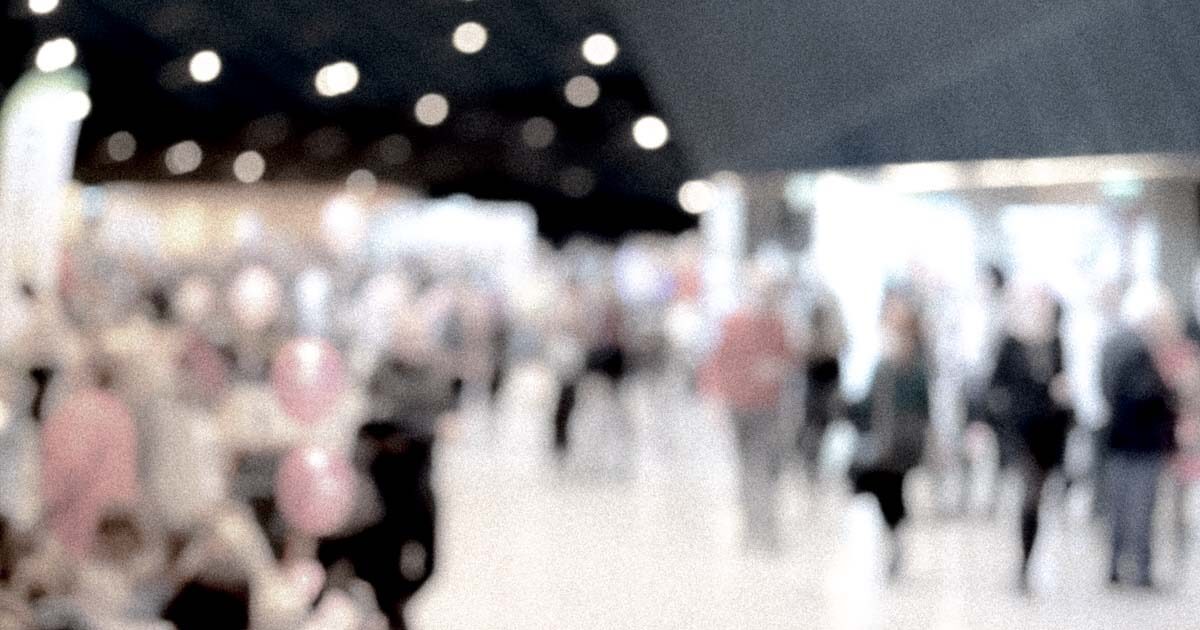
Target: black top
(1140, 403)
(200, 606)
(1020, 386)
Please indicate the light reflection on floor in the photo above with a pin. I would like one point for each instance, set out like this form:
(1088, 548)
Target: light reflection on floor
(655, 544)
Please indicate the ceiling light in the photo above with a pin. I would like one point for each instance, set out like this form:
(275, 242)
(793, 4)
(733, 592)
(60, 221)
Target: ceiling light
(394, 149)
(432, 109)
(538, 132)
(599, 49)
(582, 91)
(336, 79)
(697, 196)
(121, 146)
(183, 157)
(576, 182)
(42, 7)
(249, 167)
(204, 66)
(55, 54)
(650, 132)
(470, 38)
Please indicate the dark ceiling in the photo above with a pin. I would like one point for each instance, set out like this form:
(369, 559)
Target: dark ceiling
(787, 84)
(136, 51)
(749, 86)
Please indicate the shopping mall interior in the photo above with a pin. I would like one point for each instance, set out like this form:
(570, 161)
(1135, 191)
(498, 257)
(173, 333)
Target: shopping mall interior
(492, 314)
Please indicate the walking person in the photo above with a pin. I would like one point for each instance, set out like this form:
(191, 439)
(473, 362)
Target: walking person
(1141, 432)
(1027, 397)
(748, 370)
(822, 374)
(894, 418)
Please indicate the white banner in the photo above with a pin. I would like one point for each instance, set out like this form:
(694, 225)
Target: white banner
(39, 129)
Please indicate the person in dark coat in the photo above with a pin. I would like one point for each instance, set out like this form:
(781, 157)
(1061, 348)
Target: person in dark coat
(822, 374)
(894, 418)
(1141, 431)
(394, 548)
(1027, 402)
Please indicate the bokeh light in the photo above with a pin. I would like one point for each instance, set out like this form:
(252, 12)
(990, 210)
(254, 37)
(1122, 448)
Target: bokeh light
(599, 49)
(697, 196)
(204, 66)
(249, 167)
(120, 146)
(470, 38)
(336, 79)
(432, 109)
(582, 91)
(650, 133)
(183, 157)
(55, 54)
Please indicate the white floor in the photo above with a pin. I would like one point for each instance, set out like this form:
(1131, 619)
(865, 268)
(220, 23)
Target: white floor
(652, 540)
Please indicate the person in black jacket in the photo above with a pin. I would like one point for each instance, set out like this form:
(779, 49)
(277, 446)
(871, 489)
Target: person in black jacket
(1027, 401)
(394, 550)
(1141, 431)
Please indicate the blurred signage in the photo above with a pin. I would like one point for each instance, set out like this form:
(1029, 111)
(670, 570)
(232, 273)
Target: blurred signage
(39, 128)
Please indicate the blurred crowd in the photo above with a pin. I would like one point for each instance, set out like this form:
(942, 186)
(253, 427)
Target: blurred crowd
(251, 445)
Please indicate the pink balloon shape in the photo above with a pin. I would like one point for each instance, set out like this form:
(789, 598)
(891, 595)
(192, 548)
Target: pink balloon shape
(89, 465)
(315, 490)
(308, 377)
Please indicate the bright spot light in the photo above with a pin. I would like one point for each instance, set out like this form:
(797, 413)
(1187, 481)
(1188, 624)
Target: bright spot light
(255, 297)
(432, 109)
(121, 146)
(76, 105)
(249, 167)
(582, 91)
(344, 224)
(42, 7)
(650, 132)
(697, 196)
(361, 183)
(55, 54)
(185, 230)
(538, 132)
(183, 157)
(336, 79)
(247, 227)
(470, 38)
(312, 291)
(204, 66)
(599, 49)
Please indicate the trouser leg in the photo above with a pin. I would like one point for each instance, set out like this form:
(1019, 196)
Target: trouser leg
(1142, 518)
(1035, 482)
(562, 416)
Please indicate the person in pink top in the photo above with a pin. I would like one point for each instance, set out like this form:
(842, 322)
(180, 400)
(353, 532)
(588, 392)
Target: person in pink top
(747, 371)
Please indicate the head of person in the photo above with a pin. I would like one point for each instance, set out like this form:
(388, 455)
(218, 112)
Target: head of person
(765, 286)
(119, 537)
(901, 322)
(1032, 312)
